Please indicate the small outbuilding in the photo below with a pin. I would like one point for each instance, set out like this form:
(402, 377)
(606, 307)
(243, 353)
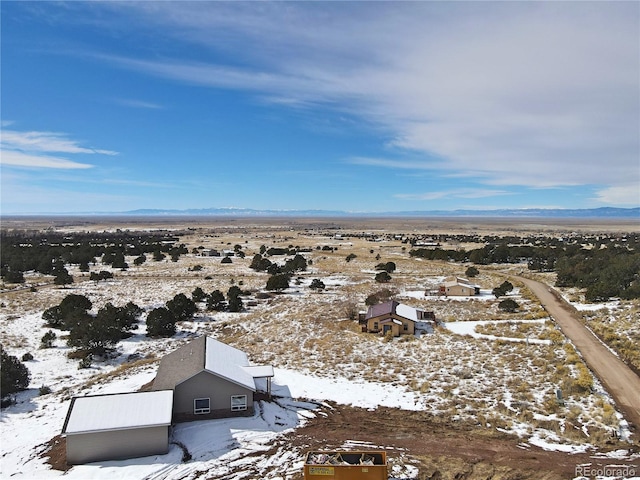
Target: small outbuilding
(459, 286)
(210, 379)
(118, 426)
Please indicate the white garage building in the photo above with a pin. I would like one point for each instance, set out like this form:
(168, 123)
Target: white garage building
(118, 426)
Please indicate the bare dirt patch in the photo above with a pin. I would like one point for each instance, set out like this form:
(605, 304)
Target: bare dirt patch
(438, 447)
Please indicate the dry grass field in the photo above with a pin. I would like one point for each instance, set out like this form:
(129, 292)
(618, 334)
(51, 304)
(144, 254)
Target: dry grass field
(498, 385)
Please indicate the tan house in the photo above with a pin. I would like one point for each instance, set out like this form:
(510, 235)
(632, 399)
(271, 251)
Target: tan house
(210, 379)
(458, 286)
(394, 317)
(117, 427)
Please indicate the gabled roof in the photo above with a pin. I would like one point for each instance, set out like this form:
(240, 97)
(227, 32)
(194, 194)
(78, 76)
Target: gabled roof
(408, 312)
(210, 355)
(393, 307)
(97, 413)
(385, 308)
(451, 282)
(228, 362)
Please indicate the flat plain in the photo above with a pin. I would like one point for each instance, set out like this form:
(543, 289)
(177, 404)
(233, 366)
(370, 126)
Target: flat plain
(475, 398)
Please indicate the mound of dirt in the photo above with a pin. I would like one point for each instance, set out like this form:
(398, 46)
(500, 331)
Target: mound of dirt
(55, 451)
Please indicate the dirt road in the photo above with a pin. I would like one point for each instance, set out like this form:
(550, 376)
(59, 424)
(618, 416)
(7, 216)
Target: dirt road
(619, 380)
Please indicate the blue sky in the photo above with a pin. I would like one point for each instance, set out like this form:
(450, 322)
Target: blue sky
(362, 107)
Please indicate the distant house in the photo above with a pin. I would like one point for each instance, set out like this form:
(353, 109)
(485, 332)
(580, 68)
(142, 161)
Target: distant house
(119, 426)
(458, 286)
(209, 252)
(210, 379)
(394, 317)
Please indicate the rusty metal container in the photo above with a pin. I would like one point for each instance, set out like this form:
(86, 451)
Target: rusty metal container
(346, 465)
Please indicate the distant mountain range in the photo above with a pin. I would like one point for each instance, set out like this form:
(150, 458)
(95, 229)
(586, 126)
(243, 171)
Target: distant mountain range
(603, 212)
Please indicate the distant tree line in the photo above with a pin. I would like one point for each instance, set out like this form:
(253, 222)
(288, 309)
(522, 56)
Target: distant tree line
(605, 266)
(48, 252)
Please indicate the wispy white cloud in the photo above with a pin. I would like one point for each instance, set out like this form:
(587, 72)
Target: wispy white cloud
(34, 149)
(393, 163)
(133, 103)
(19, 159)
(45, 142)
(524, 94)
(628, 195)
(538, 94)
(453, 193)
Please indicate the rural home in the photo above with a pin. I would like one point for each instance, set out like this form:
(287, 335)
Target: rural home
(210, 379)
(458, 286)
(393, 317)
(117, 426)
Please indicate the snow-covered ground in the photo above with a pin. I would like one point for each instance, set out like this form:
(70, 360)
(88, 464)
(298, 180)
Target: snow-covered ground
(317, 360)
(469, 328)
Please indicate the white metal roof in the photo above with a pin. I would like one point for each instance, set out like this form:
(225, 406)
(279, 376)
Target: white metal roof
(259, 371)
(407, 312)
(463, 282)
(118, 412)
(228, 362)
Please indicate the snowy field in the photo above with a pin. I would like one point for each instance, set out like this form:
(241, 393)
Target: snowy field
(319, 355)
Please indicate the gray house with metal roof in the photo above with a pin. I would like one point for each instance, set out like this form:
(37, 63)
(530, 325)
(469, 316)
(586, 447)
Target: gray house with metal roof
(210, 379)
(117, 426)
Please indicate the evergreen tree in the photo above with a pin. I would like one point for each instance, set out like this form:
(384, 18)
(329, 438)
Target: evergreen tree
(47, 339)
(62, 277)
(161, 323)
(296, 264)
(235, 304)
(53, 317)
(472, 272)
(95, 335)
(72, 309)
(383, 277)
(278, 282)
(234, 300)
(388, 267)
(14, 375)
(198, 295)
(216, 301)
(139, 260)
(182, 307)
(508, 305)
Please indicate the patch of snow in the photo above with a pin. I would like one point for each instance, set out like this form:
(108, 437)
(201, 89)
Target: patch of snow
(468, 328)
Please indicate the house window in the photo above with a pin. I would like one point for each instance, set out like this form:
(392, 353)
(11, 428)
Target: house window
(238, 402)
(201, 406)
(375, 325)
(405, 327)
